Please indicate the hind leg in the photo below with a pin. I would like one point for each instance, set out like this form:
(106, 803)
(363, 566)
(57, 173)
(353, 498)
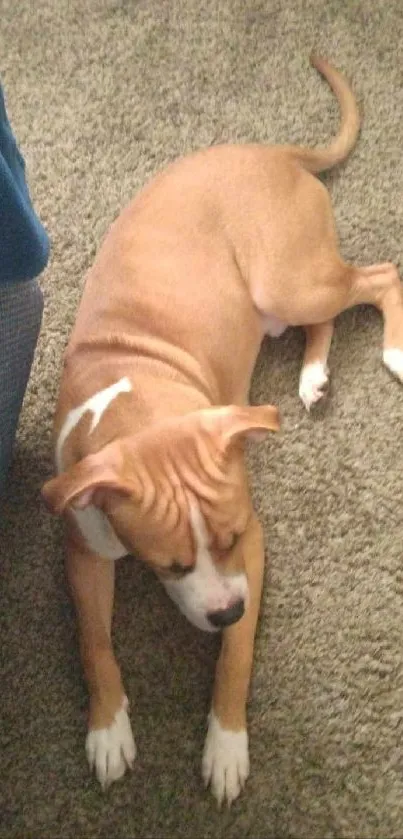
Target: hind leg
(380, 285)
(315, 372)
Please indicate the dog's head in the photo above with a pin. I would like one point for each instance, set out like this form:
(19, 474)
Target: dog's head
(177, 495)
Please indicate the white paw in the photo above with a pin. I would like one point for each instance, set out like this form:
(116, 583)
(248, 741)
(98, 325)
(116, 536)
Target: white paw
(313, 380)
(225, 761)
(111, 750)
(393, 359)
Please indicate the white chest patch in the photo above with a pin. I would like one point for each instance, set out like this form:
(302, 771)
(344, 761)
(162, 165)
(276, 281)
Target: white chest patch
(99, 533)
(95, 527)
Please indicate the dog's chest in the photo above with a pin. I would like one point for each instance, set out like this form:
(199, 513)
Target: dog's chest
(95, 528)
(98, 533)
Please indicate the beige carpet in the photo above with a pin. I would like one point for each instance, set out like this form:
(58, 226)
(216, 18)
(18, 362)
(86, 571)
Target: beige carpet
(101, 94)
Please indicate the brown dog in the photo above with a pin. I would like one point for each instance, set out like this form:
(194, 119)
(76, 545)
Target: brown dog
(222, 247)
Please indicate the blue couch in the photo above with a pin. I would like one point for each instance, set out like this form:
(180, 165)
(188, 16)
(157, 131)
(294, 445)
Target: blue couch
(24, 252)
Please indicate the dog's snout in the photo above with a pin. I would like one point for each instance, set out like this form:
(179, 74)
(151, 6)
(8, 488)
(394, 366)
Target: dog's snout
(224, 617)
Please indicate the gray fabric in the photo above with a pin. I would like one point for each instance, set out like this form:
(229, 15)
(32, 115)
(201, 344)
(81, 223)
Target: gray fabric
(21, 308)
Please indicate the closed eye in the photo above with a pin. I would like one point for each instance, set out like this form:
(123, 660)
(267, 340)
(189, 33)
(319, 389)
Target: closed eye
(178, 570)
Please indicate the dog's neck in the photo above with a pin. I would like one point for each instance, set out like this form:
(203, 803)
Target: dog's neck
(147, 355)
(159, 383)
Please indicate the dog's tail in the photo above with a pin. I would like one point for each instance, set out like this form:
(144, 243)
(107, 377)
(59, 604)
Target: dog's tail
(315, 160)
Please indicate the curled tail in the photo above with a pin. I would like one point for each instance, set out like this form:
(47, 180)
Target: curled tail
(315, 160)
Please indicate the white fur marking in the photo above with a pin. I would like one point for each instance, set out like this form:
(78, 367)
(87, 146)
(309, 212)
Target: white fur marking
(97, 404)
(225, 764)
(393, 359)
(99, 533)
(95, 527)
(111, 750)
(205, 590)
(313, 379)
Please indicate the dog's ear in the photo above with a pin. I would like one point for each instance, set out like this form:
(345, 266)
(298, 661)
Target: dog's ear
(80, 484)
(232, 423)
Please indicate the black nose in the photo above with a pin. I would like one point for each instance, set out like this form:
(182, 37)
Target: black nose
(224, 617)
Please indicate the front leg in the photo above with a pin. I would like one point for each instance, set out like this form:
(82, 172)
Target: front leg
(226, 758)
(110, 745)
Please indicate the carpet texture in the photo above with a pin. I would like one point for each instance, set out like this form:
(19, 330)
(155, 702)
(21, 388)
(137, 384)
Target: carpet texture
(101, 94)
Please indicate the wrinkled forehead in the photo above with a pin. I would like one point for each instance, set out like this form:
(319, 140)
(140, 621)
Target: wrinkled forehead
(197, 534)
(189, 538)
(216, 528)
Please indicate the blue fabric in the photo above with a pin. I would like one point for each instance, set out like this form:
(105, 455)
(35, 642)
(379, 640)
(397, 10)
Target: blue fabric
(24, 252)
(24, 244)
